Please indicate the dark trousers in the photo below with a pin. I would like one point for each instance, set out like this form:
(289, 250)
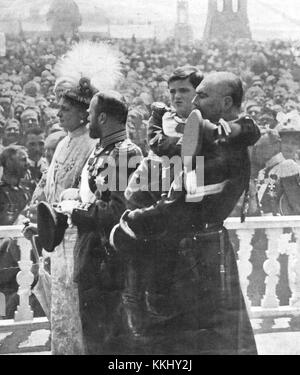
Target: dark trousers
(187, 308)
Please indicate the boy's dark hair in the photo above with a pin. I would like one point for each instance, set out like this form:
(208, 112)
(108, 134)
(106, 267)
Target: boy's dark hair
(194, 75)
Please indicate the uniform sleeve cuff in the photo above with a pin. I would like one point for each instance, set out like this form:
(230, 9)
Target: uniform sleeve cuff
(112, 235)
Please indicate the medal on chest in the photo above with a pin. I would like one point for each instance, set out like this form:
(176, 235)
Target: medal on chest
(97, 164)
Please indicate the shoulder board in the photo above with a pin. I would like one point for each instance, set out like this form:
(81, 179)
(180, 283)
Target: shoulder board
(116, 148)
(123, 145)
(126, 146)
(288, 168)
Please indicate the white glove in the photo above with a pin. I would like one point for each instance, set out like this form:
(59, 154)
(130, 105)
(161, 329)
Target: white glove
(69, 194)
(66, 207)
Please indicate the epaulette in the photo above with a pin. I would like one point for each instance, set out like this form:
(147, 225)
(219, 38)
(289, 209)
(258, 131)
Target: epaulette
(125, 147)
(126, 143)
(119, 147)
(288, 168)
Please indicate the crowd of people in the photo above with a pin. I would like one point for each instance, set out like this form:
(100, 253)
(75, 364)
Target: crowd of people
(45, 149)
(269, 70)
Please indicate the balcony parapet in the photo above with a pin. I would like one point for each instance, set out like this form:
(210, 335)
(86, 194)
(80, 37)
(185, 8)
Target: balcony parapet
(279, 241)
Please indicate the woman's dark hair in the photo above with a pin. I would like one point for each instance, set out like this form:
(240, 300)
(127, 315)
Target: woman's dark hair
(81, 106)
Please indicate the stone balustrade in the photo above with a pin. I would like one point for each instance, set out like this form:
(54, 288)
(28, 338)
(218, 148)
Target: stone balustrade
(283, 237)
(25, 277)
(279, 241)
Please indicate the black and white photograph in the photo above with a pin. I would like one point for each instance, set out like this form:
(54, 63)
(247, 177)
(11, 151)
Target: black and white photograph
(149, 180)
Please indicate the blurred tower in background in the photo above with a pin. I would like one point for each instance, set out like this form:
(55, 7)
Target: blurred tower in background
(64, 17)
(227, 19)
(183, 31)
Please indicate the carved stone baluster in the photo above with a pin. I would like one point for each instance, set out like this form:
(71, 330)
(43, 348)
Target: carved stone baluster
(66, 333)
(295, 285)
(244, 265)
(272, 268)
(25, 279)
(2, 305)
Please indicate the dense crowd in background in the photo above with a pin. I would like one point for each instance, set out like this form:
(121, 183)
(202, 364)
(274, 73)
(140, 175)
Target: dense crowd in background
(29, 110)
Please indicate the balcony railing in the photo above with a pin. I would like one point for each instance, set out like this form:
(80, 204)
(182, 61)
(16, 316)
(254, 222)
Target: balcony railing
(25, 277)
(17, 335)
(282, 237)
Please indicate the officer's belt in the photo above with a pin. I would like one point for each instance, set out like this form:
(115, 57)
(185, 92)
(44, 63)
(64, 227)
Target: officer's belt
(205, 190)
(202, 230)
(209, 228)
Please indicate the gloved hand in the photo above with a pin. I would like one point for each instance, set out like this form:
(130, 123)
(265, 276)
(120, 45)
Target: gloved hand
(152, 222)
(70, 194)
(144, 223)
(158, 109)
(29, 230)
(67, 206)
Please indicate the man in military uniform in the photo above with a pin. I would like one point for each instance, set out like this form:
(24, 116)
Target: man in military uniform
(278, 183)
(184, 296)
(13, 195)
(100, 277)
(275, 192)
(13, 199)
(289, 130)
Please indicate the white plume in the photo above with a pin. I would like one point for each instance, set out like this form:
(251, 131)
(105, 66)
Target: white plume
(99, 62)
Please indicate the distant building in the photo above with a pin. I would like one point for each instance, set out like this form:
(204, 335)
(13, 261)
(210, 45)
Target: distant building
(183, 32)
(64, 17)
(227, 19)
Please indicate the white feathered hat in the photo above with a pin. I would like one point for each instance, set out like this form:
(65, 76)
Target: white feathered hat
(87, 68)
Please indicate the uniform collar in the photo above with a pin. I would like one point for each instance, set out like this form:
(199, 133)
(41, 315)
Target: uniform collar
(118, 136)
(276, 159)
